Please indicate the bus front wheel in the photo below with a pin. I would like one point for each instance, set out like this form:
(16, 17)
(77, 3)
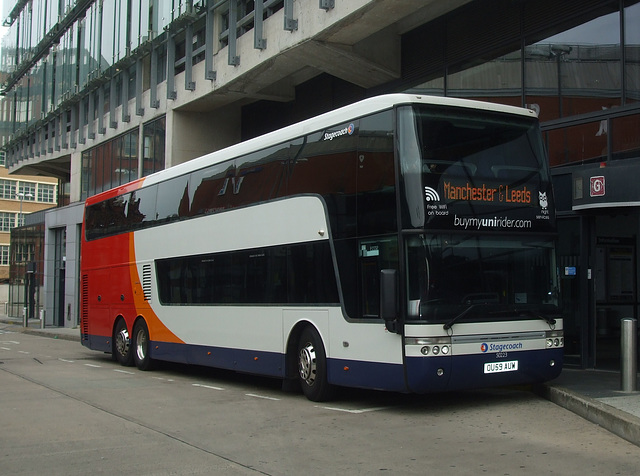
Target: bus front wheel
(122, 344)
(312, 366)
(141, 346)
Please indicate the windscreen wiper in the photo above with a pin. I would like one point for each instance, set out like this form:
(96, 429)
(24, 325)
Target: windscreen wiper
(548, 319)
(452, 321)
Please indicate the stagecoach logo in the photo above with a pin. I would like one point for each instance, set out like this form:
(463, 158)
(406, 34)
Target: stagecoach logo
(597, 186)
(484, 347)
(350, 129)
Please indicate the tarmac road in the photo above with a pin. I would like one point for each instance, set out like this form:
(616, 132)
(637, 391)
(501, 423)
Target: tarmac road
(68, 410)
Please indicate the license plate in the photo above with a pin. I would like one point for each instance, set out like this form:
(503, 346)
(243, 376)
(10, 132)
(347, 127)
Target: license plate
(495, 367)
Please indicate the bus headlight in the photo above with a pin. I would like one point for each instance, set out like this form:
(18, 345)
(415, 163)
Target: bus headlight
(428, 346)
(554, 339)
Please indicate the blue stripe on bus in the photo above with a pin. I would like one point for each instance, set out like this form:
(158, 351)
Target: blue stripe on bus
(96, 342)
(361, 374)
(270, 364)
(467, 371)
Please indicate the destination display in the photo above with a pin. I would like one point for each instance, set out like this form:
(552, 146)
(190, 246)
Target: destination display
(463, 204)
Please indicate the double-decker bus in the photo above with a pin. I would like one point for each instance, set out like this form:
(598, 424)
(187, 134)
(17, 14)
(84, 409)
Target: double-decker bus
(403, 243)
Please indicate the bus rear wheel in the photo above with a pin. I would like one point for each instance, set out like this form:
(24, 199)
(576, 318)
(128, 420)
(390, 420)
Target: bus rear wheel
(312, 366)
(122, 344)
(141, 346)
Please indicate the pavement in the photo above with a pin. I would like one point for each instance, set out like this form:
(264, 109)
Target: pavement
(595, 395)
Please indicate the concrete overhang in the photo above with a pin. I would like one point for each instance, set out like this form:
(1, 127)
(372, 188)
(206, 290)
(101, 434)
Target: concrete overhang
(363, 48)
(59, 167)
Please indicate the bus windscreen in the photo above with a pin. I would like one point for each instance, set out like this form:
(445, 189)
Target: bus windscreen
(466, 172)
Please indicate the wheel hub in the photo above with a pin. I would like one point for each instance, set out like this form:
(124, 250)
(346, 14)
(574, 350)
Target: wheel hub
(123, 341)
(141, 344)
(307, 364)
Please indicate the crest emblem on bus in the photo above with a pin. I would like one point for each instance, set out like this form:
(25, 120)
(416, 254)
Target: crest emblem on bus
(431, 195)
(484, 347)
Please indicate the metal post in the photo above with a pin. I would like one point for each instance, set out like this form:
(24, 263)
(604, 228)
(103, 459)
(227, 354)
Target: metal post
(629, 354)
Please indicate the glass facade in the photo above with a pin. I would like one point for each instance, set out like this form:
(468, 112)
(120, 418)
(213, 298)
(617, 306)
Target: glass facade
(110, 164)
(59, 53)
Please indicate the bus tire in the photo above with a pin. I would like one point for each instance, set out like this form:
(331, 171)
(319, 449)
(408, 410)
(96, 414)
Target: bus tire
(312, 366)
(141, 346)
(122, 344)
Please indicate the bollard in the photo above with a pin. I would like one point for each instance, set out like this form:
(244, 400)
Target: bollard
(629, 354)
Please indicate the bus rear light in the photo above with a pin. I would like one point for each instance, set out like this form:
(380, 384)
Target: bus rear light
(440, 372)
(444, 349)
(436, 350)
(552, 363)
(425, 350)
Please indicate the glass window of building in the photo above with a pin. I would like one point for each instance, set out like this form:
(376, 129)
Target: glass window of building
(584, 143)
(46, 193)
(575, 70)
(27, 191)
(498, 80)
(153, 146)
(110, 164)
(8, 189)
(7, 221)
(632, 50)
(625, 138)
(4, 255)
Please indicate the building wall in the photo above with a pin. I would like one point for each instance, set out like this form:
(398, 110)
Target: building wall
(67, 218)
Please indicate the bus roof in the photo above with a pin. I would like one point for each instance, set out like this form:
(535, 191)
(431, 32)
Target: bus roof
(337, 116)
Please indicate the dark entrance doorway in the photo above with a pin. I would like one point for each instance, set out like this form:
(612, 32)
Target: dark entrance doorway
(615, 283)
(59, 277)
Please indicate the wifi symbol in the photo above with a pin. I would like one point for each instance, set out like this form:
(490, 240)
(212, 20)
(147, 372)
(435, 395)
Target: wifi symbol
(431, 195)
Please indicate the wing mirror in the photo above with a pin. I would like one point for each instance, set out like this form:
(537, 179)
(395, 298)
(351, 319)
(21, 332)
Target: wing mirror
(389, 298)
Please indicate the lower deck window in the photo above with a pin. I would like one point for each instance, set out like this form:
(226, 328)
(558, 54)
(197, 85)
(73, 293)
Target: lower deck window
(287, 274)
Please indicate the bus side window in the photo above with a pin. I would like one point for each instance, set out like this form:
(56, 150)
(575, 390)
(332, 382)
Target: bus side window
(376, 196)
(173, 199)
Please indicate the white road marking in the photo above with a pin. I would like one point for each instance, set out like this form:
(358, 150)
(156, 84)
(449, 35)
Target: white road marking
(207, 386)
(124, 372)
(264, 397)
(355, 411)
(94, 366)
(162, 378)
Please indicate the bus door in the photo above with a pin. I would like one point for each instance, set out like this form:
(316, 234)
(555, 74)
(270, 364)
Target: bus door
(374, 255)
